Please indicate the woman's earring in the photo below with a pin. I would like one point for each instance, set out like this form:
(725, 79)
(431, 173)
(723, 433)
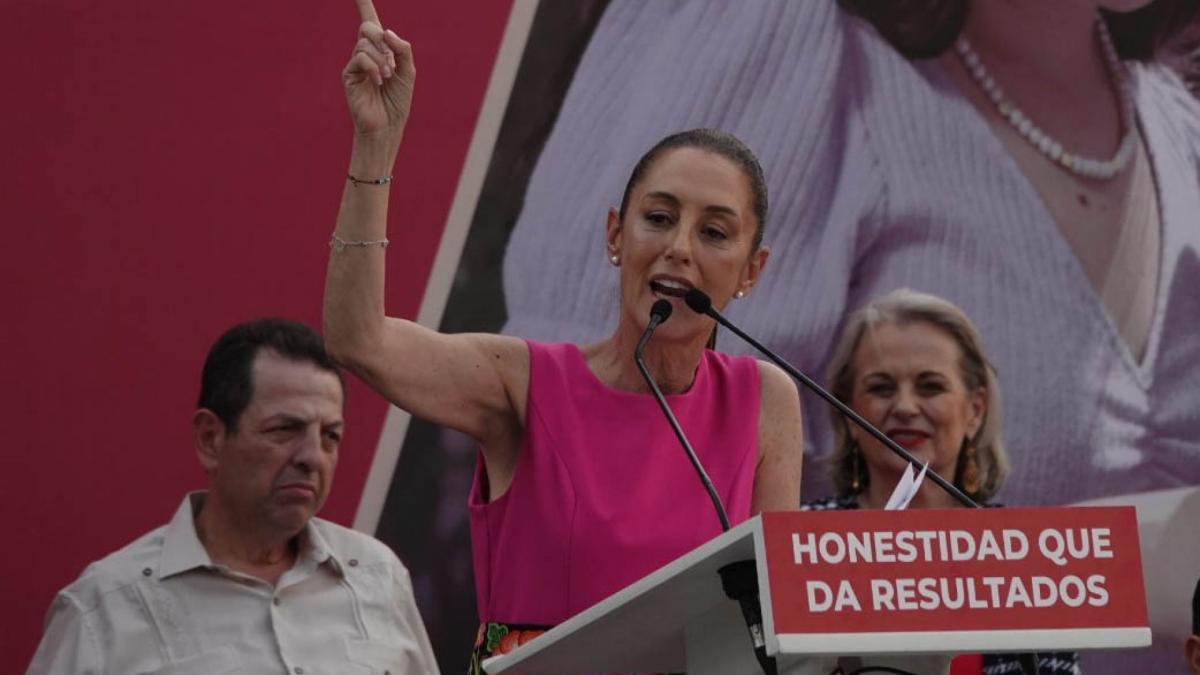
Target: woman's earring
(855, 484)
(739, 295)
(616, 261)
(970, 471)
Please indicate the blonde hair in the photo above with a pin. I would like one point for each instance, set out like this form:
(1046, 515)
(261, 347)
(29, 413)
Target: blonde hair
(908, 306)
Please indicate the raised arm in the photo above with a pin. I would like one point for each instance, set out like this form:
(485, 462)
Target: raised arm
(780, 443)
(474, 383)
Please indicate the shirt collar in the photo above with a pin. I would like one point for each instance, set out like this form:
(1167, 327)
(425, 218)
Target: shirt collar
(314, 547)
(182, 550)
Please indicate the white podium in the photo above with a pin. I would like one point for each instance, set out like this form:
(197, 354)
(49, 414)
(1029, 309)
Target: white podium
(678, 618)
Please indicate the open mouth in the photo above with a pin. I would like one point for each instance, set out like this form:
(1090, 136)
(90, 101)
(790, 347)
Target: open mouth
(669, 287)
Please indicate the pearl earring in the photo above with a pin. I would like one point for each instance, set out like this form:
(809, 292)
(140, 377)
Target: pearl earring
(614, 260)
(739, 295)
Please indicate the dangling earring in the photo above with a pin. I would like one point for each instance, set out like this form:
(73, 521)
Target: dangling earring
(855, 484)
(970, 471)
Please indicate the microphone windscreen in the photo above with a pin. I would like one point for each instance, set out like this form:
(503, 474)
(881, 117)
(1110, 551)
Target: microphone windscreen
(662, 309)
(698, 300)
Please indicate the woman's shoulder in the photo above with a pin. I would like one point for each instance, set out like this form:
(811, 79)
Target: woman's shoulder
(755, 381)
(1162, 81)
(726, 359)
(563, 357)
(1160, 88)
(733, 369)
(546, 365)
(555, 349)
(843, 503)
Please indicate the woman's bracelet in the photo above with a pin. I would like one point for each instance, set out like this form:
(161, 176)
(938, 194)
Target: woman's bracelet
(337, 244)
(360, 181)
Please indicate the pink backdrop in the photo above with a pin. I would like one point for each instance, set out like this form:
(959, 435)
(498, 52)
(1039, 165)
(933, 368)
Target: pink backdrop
(170, 169)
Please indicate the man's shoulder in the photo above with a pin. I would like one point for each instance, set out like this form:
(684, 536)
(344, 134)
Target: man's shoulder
(346, 543)
(116, 571)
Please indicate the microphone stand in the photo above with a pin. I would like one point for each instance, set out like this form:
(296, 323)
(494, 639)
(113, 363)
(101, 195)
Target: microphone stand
(739, 580)
(699, 302)
(659, 313)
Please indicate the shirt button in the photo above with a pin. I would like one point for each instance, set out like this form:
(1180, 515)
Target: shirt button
(147, 572)
(298, 670)
(354, 562)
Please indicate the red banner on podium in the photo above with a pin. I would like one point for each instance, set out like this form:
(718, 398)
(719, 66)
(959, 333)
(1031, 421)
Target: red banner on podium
(965, 575)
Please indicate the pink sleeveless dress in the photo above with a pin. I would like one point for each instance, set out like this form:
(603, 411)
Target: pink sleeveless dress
(602, 493)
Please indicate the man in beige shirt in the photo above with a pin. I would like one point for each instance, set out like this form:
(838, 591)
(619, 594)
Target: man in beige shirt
(244, 579)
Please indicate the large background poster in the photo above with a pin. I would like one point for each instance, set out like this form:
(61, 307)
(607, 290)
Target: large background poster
(532, 261)
(174, 169)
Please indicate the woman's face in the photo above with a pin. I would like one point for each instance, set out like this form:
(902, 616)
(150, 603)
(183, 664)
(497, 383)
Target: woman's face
(689, 223)
(908, 383)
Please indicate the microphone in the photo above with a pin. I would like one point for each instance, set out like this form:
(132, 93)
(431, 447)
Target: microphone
(739, 580)
(700, 303)
(659, 313)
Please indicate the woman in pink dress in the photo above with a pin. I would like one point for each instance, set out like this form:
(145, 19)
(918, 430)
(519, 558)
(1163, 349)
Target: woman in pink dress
(581, 487)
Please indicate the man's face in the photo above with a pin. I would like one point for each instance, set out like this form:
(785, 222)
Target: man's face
(275, 471)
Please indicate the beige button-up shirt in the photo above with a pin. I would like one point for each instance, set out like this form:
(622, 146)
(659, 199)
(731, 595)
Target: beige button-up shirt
(161, 606)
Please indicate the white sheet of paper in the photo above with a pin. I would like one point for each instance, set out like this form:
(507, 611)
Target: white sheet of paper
(906, 488)
(901, 489)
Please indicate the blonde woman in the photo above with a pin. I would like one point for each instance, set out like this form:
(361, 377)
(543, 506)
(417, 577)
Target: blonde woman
(913, 365)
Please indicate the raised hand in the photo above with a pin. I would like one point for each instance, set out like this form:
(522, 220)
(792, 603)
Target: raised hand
(379, 78)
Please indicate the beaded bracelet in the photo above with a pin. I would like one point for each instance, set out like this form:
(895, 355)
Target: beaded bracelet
(337, 244)
(359, 181)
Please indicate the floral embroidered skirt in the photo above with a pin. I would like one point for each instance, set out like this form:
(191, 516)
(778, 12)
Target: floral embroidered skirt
(494, 639)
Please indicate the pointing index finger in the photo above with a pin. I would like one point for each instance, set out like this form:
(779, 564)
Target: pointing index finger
(366, 10)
